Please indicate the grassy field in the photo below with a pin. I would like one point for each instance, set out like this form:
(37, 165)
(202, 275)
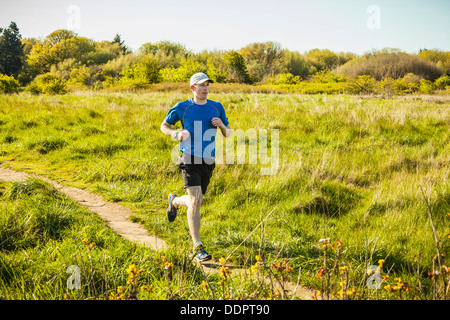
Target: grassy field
(351, 170)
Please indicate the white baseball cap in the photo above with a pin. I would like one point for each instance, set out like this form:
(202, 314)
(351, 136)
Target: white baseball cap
(199, 77)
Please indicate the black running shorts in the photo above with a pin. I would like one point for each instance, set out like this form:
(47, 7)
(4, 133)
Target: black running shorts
(196, 171)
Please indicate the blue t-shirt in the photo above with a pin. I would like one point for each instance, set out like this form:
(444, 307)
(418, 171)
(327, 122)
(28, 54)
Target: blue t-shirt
(196, 119)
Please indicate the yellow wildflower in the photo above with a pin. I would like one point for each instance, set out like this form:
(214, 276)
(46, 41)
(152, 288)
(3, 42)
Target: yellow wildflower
(205, 285)
(380, 263)
(225, 272)
(343, 269)
(132, 268)
(254, 268)
(222, 261)
(258, 258)
(351, 292)
(147, 288)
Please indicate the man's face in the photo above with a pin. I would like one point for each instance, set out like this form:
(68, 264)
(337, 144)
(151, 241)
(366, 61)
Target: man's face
(201, 90)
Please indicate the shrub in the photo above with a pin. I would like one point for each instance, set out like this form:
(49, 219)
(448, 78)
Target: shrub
(285, 78)
(215, 73)
(47, 83)
(387, 86)
(442, 82)
(147, 71)
(326, 77)
(183, 73)
(426, 86)
(362, 84)
(394, 65)
(8, 84)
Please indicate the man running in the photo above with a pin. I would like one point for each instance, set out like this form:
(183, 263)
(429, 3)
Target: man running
(200, 119)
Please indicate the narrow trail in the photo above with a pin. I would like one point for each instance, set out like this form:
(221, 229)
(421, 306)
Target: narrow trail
(117, 216)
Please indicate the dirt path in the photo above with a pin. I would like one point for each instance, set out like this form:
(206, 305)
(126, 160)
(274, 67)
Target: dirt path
(115, 215)
(117, 218)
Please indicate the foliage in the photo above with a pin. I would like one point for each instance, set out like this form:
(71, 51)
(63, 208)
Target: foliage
(297, 64)
(236, 67)
(52, 51)
(184, 72)
(121, 44)
(8, 84)
(439, 57)
(262, 59)
(147, 71)
(214, 73)
(47, 83)
(11, 50)
(284, 78)
(391, 64)
(442, 82)
(83, 63)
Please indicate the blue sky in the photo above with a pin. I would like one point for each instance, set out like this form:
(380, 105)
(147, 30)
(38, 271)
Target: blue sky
(340, 25)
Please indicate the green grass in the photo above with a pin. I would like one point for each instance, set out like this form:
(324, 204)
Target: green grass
(351, 168)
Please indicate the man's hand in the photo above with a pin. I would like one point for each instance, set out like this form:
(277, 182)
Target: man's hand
(217, 122)
(226, 130)
(183, 135)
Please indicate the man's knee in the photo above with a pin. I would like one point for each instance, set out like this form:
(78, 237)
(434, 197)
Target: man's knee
(195, 196)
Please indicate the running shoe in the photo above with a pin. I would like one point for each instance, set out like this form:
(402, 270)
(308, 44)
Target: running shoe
(172, 210)
(200, 254)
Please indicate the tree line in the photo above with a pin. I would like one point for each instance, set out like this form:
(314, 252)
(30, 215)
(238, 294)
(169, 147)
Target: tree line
(66, 58)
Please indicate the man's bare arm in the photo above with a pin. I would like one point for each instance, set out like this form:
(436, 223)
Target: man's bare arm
(226, 130)
(167, 129)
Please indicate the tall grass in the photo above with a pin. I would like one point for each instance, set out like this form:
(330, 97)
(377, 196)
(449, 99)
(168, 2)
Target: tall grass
(351, 169)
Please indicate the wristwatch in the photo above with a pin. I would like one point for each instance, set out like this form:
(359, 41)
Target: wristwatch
(175, 135)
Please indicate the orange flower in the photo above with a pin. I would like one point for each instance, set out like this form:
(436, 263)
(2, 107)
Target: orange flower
(321, 272)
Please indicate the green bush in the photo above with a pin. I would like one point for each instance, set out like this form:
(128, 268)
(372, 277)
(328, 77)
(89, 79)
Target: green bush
(47, 83)
(183, 73)
(391, 64)
(147, 71)
(426, 86)
(442, 82)
(285, 78)
(362, 84)
(8, 84)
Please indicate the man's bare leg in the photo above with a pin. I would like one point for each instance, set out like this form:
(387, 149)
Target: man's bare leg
(193, 201)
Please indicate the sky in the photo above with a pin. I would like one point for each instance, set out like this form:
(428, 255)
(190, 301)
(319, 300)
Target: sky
(356, 26)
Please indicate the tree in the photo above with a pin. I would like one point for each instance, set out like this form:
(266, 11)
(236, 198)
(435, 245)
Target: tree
(323, 59)
(147, 71)
(237, 68)
(59, 35)
(263, 59)
(169, 54)
(439, 57)
(11, 50)
(184, 72)
(45, 54)
(296, 64)
(117, 39)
